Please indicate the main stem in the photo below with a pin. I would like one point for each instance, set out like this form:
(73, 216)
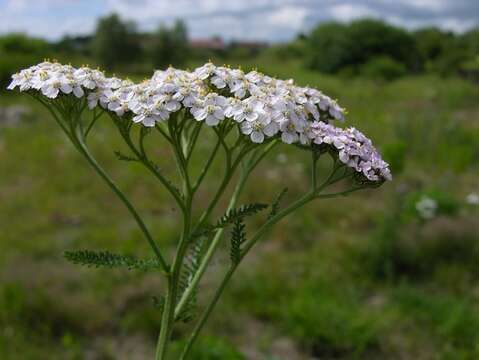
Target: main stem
(168, 316)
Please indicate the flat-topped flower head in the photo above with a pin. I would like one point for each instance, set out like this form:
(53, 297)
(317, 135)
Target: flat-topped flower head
(260, 105)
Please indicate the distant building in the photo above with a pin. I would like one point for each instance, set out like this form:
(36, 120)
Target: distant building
(215, 43)
(218, 44)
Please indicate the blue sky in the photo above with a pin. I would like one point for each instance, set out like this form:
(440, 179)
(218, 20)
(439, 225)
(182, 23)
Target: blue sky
(272, 20)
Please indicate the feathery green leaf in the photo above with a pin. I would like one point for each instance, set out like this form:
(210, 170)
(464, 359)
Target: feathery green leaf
(190, 267)
(238, 237)
(235, 214)
(107, 259)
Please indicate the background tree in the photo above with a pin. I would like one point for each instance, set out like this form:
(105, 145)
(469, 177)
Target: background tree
(335, 47)
(18, 51)
(329, 46)
(170, 45)
(115, 42)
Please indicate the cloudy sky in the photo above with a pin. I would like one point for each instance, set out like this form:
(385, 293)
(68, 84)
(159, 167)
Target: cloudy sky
(272, 20)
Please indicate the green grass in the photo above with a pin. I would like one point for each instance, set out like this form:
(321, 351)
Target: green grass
(356, 278)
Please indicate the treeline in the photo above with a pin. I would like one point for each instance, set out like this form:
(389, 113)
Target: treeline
(364, 47)
(374, 48)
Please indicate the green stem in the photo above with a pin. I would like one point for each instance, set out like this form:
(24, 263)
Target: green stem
(204, 317)
(148, 163)
(192, 143)
(209, 252)
(77, 141)
(205, 169)
(84, 151)
(254, 161)
(93, 121)
(207, 312)
(276, 218)
(168, 316)
(340, 193)
(230, 170)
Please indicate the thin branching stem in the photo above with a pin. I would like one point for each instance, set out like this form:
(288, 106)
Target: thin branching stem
(143, 158)
(246, 171)
(77, 138)
(192, 142)
(205, 169)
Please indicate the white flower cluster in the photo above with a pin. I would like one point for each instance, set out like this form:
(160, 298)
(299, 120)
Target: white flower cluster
(262, 106)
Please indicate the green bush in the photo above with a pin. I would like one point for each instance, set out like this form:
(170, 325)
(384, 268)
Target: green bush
(12, 63)
(384, 68)
(22, 44)
(18, 51)
(334, 46)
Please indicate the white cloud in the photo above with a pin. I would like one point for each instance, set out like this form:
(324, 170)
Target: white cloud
(288, 16)
(348, 12)
(249, 19)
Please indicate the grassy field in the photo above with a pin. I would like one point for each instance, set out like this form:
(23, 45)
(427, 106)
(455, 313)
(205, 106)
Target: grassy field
(362, 277)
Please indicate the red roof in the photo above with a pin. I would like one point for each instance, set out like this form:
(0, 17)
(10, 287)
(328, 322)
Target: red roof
(212, 44)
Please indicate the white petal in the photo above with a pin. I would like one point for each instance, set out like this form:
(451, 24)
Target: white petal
(219, 114)
(138, 118)
(287, 138)
(78, 92)
(212, 120)
(149, 121)
(257, 137)
(252, 116)
(66, 88)
(246, 128)
(199, 114)
(270, 129)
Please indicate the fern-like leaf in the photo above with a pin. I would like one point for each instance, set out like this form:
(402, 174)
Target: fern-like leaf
(189, 270)
(238, 237)
(107, 259)
(233, 215)
(275, 205)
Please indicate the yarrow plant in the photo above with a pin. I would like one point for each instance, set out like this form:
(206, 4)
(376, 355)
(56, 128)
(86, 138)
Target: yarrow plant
(249, 115)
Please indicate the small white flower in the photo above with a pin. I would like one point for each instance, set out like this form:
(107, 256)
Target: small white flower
(205, 71)
(212, 114)
(51, 88)
(22, 80)
(472, 199)
(221, 78)
(94, 97)
(426, 207)
(171, 104)
(211, 110)
(249, 111)
(85, 78)
(258, 128)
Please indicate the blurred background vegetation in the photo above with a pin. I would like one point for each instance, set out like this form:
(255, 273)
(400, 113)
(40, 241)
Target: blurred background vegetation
(384, 274)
